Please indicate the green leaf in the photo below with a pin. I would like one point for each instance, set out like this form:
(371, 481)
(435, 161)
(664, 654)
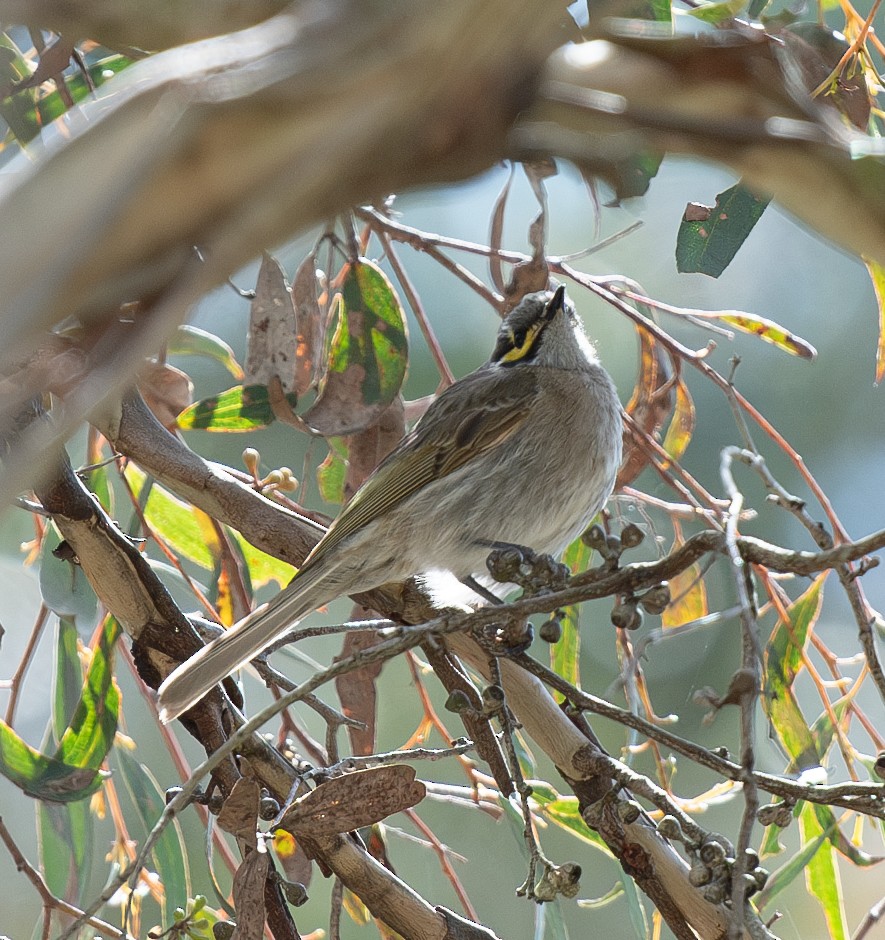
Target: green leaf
(782, 663)
(65, 841)
(718, 12)
(18, 110)
(565, 813)
(68, 678)
(192, 341)
(633, 176)
(186, 529)
(604, 900)
(635, 908)
(241, 408)
(877, 276)
(822, 873)
(366, 356)
(707, 245)
(42, 777)
(840, 842)
(771, 332)
(565, 656)
(65, 589)
(52, 106)
(263, 568)
(90, 735)
(787, 873)
(169, 854)
(331, 473)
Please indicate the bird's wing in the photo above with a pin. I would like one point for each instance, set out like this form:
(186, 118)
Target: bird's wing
(475, 415)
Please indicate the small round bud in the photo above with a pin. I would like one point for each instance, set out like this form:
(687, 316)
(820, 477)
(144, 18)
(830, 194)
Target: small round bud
(750, 885)
(699, 875)
(670, 828)
(594, 537)
(551, 630)
(268, 808)
(713, 852)
(171, 793)
(656, 599)
(631, 535)
(223, 929)
(775, 814)
(504, 564)
(716, 893)
(761, 875)
(879, 765)
(457, 701)
(752, 857)
(493, 698)
(629, 811)
(626, 616)
(251, 460)
(294, 892)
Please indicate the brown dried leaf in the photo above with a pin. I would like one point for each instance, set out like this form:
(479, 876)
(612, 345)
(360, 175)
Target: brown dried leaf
(357, 799)
(272, 329)
(368, 448)
(651, 402)
(239, 815)
(248, 891)
(497, 233)
(309, 326)
(356, 689)
(166, 390)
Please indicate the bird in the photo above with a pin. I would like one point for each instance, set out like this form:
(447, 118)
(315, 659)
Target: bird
(524, 451)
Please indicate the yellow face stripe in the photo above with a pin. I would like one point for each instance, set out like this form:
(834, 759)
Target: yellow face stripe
(518, 352)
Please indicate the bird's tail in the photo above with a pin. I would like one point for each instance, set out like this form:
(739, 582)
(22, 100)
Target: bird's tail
(190, 681)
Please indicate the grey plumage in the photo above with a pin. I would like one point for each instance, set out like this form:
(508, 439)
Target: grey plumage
(524, 450)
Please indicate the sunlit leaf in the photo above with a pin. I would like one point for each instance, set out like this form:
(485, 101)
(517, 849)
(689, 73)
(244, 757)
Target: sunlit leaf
(90, 735)
(187, 530)
(604, 900)
(192, 341)
(40, 776)
(709, 237)
(51, 106)
(332, 472)
(565, 812)
(241, 408)
(822, 874)
(689, 598)
(635, 908)
(565, 655)
(771, 332)
(649, 405)
(18, 110)
(169, 855)
(263, 568)
(782, 663)
(681, 427)
(877, 276)
(366, 356)
(272, 329)
(718, 12)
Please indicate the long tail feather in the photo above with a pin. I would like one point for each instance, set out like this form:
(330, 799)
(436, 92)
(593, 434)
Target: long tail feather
(190, 681)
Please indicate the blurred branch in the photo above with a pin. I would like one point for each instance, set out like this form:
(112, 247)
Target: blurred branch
(733, 96)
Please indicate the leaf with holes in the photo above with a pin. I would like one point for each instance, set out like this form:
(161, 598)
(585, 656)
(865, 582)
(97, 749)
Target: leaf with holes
(366, 356)
(241, 408)
(710, 236)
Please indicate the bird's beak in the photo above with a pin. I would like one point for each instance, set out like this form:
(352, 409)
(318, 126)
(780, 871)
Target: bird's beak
(555, 304)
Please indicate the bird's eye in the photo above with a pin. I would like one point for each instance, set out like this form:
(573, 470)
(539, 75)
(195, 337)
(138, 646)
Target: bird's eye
(517, 338)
